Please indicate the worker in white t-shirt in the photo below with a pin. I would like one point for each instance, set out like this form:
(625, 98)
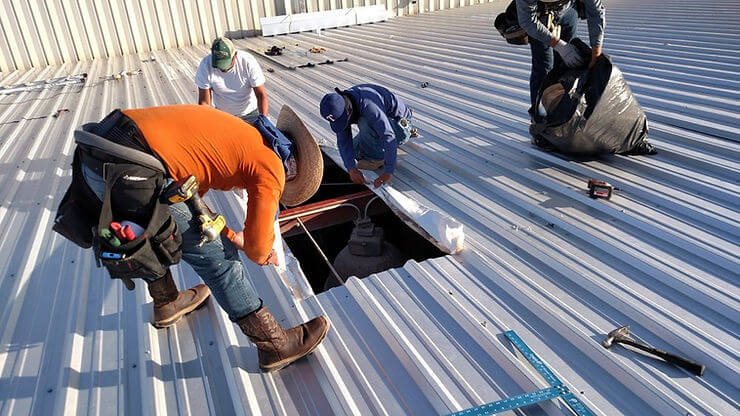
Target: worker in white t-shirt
(233, 80)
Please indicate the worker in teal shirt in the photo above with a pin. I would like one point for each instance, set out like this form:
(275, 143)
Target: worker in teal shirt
(383, 122)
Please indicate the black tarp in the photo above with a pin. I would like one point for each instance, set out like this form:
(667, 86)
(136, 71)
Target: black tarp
(597, 114)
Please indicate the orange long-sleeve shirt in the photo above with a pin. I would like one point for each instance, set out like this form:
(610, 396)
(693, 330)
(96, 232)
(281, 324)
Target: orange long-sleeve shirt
(223, 152)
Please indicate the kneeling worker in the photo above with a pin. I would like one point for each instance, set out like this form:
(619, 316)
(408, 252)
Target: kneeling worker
(223, 153)
(233, 80)
(383, 122)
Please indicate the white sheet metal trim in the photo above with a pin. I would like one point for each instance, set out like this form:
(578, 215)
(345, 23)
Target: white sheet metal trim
(37, 33)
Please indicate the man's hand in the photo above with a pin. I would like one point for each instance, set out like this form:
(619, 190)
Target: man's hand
(272, 259)
(570, 55)
(356, 176)
(237, 238)
(595, 54)
(383, 179)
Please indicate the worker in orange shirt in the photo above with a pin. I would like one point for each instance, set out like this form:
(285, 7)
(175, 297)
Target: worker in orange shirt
(223, 153)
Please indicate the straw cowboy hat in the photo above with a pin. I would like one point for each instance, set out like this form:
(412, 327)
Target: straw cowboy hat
(309, 159)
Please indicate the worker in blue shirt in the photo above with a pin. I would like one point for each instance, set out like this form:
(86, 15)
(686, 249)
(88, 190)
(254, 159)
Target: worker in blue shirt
(534, 16)
(383, 122)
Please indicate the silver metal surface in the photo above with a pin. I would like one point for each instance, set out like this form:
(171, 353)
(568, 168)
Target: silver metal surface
(542, 258)
(36, 33)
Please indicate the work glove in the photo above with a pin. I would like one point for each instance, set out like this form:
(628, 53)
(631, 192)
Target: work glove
(569, 54)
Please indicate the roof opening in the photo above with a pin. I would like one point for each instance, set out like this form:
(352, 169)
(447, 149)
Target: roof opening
(346, 230)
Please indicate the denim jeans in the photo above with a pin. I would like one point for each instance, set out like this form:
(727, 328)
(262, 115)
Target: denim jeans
(368, 144)
(217, 262)
(251, 117)
(543, 57)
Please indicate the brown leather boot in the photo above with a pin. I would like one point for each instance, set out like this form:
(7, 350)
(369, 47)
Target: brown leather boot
(170, 305)
(278, 347)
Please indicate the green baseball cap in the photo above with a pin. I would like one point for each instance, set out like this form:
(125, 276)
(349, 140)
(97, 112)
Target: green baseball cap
(222, 53)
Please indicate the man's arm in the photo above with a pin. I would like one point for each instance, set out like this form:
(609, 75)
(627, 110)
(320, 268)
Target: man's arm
(262, 104)
(526, 11)
(596, 17)
(378, 120)
(256, 79)
(258, 235)
(202, 81)
(347, 152)
(346, 148)
(204, 97)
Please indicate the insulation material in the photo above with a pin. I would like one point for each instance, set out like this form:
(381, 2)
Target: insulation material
(597, 113)
(447, 231)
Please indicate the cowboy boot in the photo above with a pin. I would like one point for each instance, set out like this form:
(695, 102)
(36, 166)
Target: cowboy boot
(169, 304)
(276, 346)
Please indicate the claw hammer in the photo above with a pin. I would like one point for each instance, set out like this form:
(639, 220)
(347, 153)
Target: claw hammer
(621, 335)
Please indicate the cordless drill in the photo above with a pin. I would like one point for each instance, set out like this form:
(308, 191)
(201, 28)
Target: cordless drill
(186, 190)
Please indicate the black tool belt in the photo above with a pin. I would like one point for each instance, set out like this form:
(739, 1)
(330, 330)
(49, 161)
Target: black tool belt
(116, 150)
(507, 24)
(551, 7)
(118, 129)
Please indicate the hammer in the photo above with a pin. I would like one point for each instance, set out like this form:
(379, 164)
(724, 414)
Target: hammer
(621, 335)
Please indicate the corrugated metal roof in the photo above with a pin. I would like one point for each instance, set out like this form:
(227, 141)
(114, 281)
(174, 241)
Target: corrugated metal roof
(542, 258)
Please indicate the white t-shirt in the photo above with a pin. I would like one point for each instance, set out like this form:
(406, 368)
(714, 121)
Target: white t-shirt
(232, 90)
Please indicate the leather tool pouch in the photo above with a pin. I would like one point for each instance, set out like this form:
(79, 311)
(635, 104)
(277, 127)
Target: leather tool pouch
(507, 25)
(132, 193)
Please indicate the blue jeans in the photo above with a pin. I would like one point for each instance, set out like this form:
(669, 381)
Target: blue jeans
(217, 262)
(251, 117)
(368, 144)
(543, 57)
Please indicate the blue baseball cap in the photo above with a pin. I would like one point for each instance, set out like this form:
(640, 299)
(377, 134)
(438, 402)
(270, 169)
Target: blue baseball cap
(334, 109)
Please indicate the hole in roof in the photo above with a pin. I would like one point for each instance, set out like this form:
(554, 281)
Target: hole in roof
(346, 230)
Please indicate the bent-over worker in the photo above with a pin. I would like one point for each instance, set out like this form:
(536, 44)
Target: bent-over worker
(383, 122)
(223, 153)
(533, 16)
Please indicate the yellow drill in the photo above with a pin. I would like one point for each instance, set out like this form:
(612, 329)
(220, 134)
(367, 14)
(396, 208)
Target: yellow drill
(186, 190)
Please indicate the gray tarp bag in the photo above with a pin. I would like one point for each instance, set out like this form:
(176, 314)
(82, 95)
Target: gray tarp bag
(597, 113)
